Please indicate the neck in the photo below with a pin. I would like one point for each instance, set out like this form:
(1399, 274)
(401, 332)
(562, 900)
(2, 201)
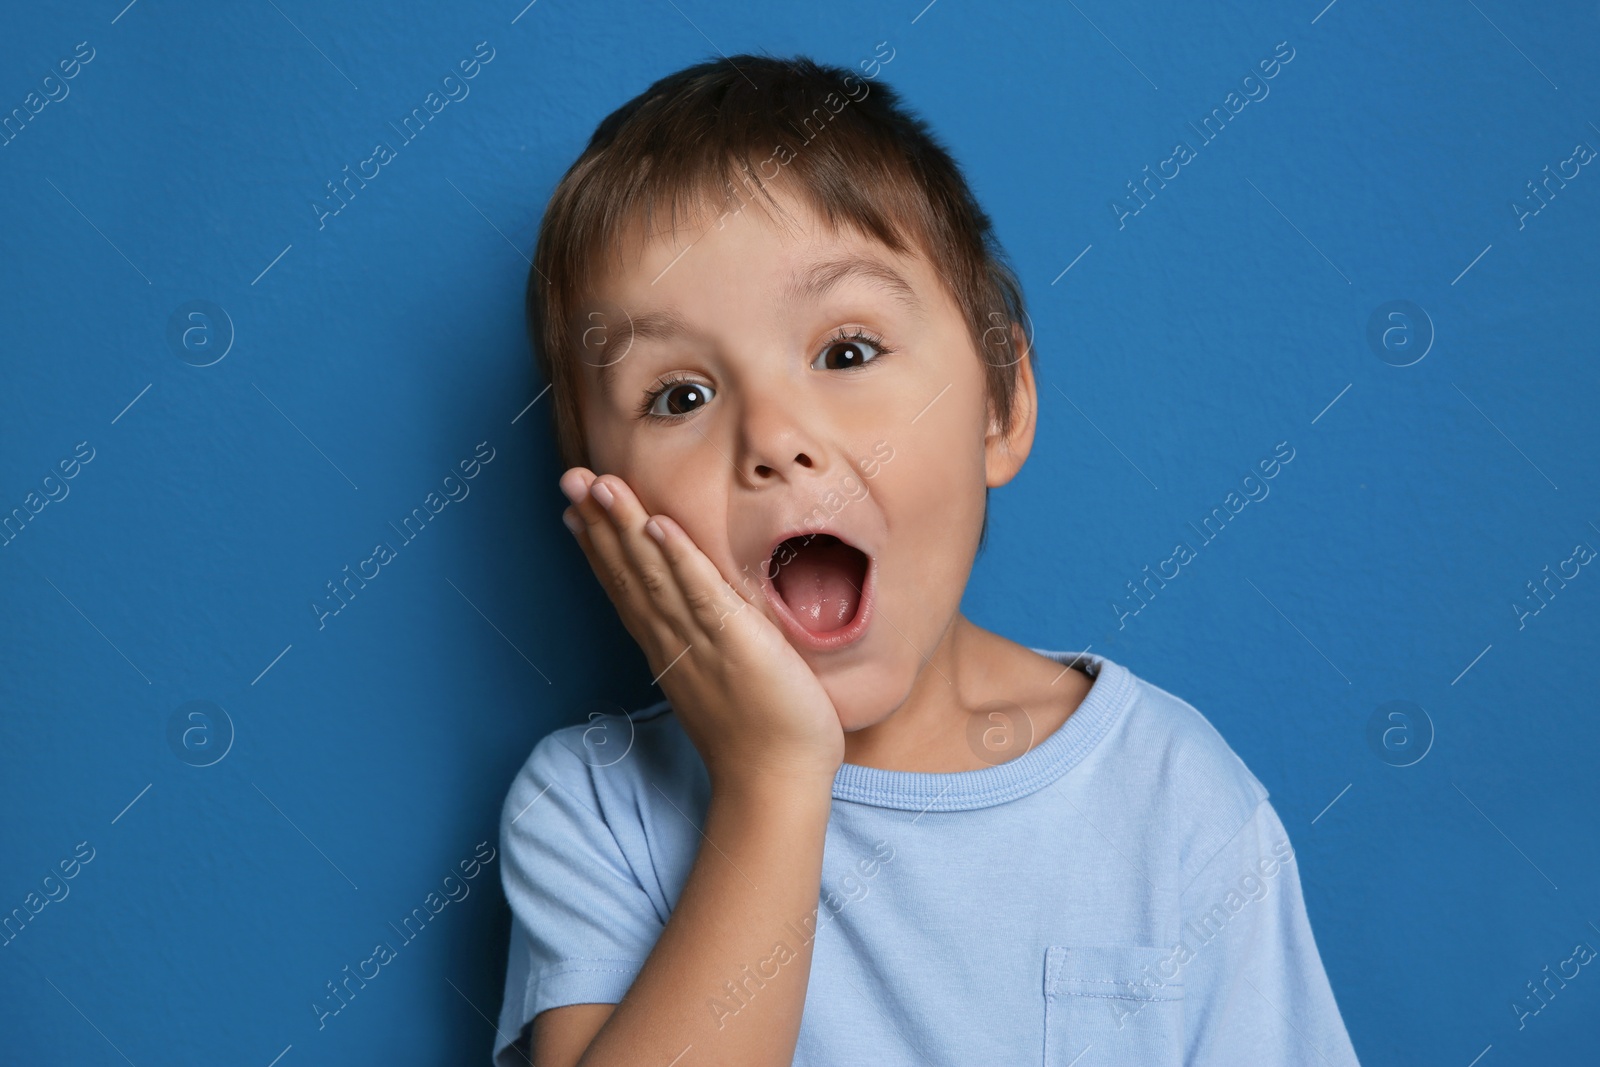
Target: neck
(930, 724)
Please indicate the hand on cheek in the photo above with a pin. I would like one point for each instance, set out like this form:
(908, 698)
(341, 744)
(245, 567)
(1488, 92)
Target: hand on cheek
(745, 697)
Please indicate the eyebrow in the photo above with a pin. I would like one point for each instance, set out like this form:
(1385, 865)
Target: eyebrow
(816, 280)
(810, 283)
(649, 325)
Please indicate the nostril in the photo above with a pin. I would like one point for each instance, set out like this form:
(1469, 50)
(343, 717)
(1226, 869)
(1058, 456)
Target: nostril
(761, 470)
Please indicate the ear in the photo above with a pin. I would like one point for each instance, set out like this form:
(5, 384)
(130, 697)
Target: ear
(1004, 453)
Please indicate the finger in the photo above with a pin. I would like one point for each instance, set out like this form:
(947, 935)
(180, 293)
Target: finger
(628, 517)
(598, 538)
(710, 600)
(634, 575)
(647, 625)
(575, 482)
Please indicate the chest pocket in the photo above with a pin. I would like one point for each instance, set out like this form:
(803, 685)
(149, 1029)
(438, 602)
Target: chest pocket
(1108, 1006)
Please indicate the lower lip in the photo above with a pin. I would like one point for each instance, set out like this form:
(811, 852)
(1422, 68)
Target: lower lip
(833, 639)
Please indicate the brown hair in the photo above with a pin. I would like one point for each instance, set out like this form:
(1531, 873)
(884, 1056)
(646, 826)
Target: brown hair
(846, 145)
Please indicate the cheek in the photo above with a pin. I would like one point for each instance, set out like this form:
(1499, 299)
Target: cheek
(932, 496)
(693, 492)
(937, 473)
(670, 488)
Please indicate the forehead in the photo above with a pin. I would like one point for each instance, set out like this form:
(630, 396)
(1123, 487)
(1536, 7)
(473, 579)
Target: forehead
(744, 238)
(662, 284)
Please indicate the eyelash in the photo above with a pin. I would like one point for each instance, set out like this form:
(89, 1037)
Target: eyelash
(842, 335)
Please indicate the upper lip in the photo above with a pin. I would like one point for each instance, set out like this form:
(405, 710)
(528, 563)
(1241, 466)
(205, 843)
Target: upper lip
(814, 531)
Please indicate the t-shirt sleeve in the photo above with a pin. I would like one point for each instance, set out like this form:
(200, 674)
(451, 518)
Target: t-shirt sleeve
(582, 925)
(1254, 987)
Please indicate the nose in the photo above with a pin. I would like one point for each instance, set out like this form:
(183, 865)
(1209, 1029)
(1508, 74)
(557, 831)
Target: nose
(777, 439)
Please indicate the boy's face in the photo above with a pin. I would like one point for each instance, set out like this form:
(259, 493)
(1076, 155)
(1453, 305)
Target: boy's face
(771, 425)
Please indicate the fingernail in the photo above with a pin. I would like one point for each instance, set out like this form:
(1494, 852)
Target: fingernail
(572, 488)
(599, 491)
(572, 521)
(655, 530)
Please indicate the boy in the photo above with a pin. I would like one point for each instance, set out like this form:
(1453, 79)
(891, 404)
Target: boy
(859, 829)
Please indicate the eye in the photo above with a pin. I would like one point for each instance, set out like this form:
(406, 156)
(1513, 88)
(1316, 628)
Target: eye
(851, 348)
(672, 399)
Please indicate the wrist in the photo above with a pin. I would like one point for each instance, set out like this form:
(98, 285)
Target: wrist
(790, 789)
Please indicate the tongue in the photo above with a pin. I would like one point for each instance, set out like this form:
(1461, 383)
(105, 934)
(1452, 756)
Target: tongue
(820, 584)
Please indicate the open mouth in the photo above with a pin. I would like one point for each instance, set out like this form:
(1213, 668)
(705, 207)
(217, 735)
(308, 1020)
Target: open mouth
(822, 586)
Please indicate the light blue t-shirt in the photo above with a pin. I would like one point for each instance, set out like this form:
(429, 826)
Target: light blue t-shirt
(1121, 894)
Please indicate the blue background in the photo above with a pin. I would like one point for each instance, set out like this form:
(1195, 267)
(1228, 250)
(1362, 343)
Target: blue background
(369, 757)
